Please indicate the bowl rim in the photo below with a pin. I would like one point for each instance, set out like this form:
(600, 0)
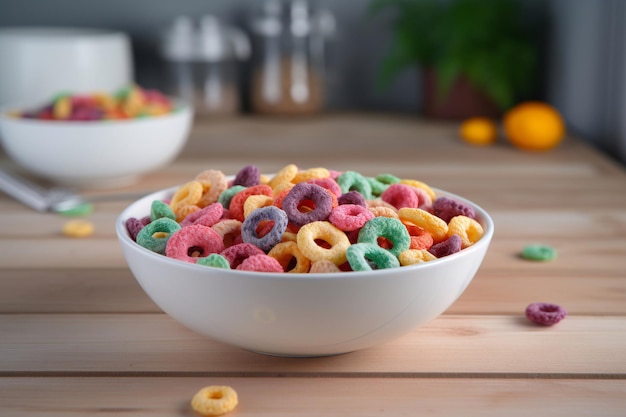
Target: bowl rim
(182, 108)
(123, 236)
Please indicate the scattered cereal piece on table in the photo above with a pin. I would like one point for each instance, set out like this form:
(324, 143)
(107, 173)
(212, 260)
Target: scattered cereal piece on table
(78, 228)
(545, 313)
(538, 252)
(215, 400)
(78, 210)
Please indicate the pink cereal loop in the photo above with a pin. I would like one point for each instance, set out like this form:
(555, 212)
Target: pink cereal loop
(213, 184)
(425, 201)
(206, 216)
(400, 195)
(309, 174)
(184, 210)
(196, 237)
(285, 175)
(328, 183)
(468, 229)
(419, 184)
(260, 263)
(187, 194)
(415, 256)
(254, 202)
(423, 219)
(229, 230)
(350, 217)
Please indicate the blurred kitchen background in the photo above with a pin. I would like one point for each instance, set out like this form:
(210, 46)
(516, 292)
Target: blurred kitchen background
(581, 61)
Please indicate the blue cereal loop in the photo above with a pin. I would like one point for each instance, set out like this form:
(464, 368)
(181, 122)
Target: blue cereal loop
(274, 236)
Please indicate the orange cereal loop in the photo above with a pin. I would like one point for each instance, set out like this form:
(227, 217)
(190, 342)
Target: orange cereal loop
(187, 194)
(183, 211)
(254, 202)
(290, 257)
(415, 256)
(286, 174)
(420, 184)
(323, 267)
(437, 227)
(382, 211)
(134, 102)
(213, 184)
(62, 108)
(214, 400)
(309, 174)
(104, 101)
(311, 233)
(468, 229)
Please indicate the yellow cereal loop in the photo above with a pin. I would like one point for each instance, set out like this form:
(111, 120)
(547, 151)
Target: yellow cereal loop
(437, 227)
(286, 174)
(187, 194)
(213, 184)
(265, 179)
(309, 174)
(104, 100)
(420, 184)
(62, 108)
(254, 202)
(415, 256)
(286, 253)
(282, 187)
(134, 102)
(78, 228)
(184, 210)
(289, 237)
(323, 267)
(214, 400)
(327, 232)
(468, 229)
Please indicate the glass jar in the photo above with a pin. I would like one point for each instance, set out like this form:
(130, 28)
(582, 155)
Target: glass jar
(288, 76)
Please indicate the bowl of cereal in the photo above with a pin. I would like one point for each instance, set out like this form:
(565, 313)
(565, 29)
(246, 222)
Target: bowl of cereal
(97, 140)
(304, 262)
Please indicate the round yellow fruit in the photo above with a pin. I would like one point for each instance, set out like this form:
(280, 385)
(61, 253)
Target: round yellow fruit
(479, 131)
(534, 126)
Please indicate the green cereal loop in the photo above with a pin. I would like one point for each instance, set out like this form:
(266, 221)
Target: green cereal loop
(540, 253)
(215, 260)
(79, 210)
(159, 210)
(387, 179)
(353, 181)
(227, 195)
(378, 187)
(389, 228)
(360, 255)
(146, 238)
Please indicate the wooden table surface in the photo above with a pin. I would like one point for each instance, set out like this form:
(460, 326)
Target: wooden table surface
(79, 337)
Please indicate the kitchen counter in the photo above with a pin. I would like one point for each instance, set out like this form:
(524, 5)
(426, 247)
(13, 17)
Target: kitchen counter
(79, 337)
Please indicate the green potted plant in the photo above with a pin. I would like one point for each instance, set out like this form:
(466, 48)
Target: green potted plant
(476, 57)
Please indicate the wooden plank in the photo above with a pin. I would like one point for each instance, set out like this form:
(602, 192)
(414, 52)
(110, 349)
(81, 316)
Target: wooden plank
(275, 397)
(506, 346)
(493, 291)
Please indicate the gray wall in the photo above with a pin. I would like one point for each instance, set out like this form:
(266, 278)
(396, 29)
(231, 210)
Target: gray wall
(584, 52)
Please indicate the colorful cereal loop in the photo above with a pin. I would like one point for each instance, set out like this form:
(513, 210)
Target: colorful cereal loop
(164, 228)
(285, 175)
(389, 228)
(415, 256)
(354, 181)
(469, 230)
(309, 174)
(188, 194)
(193, 242)
(290, 257)
(419, 184)
(264, 214)
(311, 233)
(421, 218)
(361, 256)
(215, 260)
(214, 183)
(159, 209)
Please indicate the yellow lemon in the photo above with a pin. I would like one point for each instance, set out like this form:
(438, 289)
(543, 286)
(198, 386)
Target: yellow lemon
(534, 126)
(479, 131)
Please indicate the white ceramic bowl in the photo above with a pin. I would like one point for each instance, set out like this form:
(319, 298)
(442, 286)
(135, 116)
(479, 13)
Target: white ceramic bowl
(97, 154)
(301, 314)
(38, 62)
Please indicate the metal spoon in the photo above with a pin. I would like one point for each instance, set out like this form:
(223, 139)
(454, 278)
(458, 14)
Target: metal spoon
(54, 199)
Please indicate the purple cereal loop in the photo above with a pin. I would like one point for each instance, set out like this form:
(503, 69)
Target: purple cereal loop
(145, 220)
(304, 191)
(274, 236)
(134, 226)
(352, 197)
(236, 254)
(206, 216)
(248, 176)
(447, 247)
(545, 313)
(446, 208)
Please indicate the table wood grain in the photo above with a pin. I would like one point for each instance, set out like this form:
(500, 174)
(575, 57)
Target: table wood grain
(78, 336)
